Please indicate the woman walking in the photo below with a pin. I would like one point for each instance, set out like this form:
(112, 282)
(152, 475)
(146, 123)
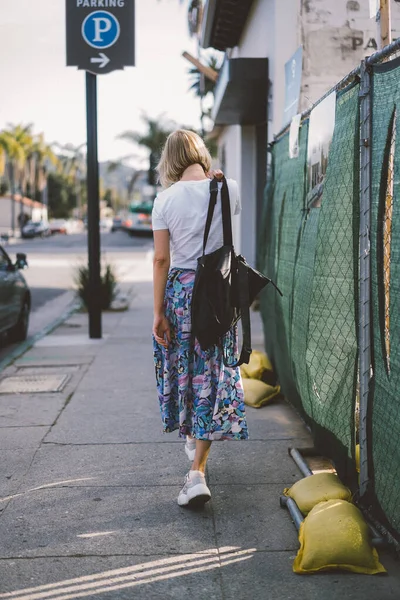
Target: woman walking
(198, 394)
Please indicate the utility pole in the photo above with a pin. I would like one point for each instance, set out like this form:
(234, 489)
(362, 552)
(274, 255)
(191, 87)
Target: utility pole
(384, 21)
(12, 185)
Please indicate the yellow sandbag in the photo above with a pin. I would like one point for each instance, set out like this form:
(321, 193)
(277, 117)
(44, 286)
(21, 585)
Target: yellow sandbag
(335, 536)
(358, 458)
(259, 363)
(257, 393)
(243, 371)
(310, 491)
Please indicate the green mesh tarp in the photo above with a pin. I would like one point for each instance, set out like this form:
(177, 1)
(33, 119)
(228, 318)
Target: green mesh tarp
(302, 295)
(283, 222)
(331, 353)
(311, 332)
(312, 251)
(384, 442)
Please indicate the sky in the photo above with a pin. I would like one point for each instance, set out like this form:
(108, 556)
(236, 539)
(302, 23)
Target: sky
(37, 87)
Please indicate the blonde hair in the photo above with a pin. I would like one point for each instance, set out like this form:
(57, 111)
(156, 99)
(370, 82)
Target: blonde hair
(182, 149)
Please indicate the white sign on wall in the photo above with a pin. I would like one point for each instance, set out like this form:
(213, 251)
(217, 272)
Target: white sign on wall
(374, 6)
(294, 136)
(320, 134)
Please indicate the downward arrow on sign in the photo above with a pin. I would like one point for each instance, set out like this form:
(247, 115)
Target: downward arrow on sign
(103, 60)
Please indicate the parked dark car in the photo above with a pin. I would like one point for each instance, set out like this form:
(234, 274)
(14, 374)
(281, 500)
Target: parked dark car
(15, 297)
(36, 229)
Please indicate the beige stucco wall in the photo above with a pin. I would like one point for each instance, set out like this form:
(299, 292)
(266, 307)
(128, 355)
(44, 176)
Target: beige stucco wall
(230, 158)
(336, 36)
(259, 34)
(38, 213)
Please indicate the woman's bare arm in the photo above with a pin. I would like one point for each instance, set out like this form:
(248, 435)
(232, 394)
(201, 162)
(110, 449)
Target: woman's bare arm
(161, 263)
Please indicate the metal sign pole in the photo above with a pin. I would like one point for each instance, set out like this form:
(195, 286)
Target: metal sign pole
(99, 42)
(93, 200)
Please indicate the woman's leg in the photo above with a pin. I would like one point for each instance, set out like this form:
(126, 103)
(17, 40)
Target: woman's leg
(195, 491)
(201, 456)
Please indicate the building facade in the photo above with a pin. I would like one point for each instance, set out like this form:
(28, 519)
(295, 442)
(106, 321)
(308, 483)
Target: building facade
(32, 210)
(259, 37)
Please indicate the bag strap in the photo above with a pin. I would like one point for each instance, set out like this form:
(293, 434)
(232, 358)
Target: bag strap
(210, 214)
(244, 305)
(226, 214)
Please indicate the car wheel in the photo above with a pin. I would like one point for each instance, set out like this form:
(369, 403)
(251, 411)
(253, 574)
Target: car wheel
(19, 332)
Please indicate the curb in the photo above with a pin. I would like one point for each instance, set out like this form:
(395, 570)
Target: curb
(30, 342)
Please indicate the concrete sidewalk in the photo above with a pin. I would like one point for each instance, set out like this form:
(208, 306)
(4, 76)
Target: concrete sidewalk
(89, 483)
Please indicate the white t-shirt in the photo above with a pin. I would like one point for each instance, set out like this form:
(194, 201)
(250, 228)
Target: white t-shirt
(182, 209)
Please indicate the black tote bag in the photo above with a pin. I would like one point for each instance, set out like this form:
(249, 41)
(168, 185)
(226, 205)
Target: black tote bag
(225, 285)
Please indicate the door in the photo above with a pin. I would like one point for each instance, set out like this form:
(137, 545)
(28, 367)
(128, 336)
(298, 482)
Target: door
(9, 293)
(6, 292)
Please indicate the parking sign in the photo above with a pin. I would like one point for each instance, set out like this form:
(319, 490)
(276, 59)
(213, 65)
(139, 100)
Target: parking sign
(100, 34)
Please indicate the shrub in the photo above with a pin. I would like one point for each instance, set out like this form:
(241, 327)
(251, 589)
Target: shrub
(108, 287)
(3, 187)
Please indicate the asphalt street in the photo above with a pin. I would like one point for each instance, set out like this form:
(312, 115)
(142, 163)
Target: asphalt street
(53, 263)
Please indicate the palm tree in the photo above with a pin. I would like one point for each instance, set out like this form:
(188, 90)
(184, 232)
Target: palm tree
(13, 142)
(202, 86)
(29, 168)
(22, 134)
(158, 130)
(41, 158)
(72, 165)
(116, 165)
(71, 159)
(153, 139)
(3, 154)
(30, 153)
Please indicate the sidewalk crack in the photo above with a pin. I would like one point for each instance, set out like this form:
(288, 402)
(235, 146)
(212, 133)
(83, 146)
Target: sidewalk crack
(18, 490)
(214, 525)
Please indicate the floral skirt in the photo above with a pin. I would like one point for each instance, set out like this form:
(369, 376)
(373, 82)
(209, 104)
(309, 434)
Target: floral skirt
(197, 393)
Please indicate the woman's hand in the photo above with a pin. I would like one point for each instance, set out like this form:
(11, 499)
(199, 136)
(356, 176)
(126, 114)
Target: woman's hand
(161, 330)
(217, 174)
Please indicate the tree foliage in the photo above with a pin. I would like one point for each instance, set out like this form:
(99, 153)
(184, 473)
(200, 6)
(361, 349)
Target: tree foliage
(201, 85)
(154, 138)
(62, 195)
(25, 159)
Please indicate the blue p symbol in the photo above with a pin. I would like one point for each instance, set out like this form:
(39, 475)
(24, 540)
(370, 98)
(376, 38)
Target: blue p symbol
(101, 29)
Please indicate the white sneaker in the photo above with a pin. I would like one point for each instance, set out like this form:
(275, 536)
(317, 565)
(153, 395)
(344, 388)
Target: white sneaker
(190, 448)
(195, 492)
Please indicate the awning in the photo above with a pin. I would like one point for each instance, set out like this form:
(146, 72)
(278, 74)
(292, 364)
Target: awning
(224, 22)
(241, 94)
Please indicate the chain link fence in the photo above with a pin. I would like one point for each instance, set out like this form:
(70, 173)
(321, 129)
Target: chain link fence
(332, 243)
